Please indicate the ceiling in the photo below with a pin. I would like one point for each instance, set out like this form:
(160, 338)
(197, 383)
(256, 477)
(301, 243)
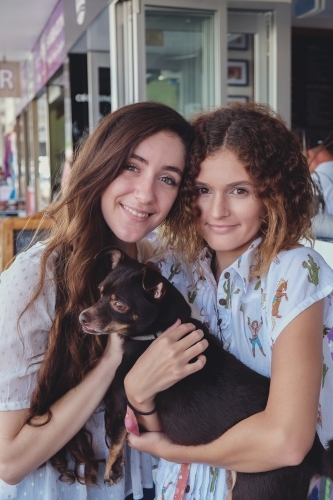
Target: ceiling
(22, 21)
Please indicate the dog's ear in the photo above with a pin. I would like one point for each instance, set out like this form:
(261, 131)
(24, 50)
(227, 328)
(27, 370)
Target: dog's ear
(116, 255)
(152, 281)
(154, 266)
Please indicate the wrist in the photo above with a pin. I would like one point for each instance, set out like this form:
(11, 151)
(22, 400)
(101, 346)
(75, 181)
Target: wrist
(144, 410)
(144, 405)
(141, 401)
(108, 366)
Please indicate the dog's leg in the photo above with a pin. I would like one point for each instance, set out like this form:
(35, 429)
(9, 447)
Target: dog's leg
(116, 459)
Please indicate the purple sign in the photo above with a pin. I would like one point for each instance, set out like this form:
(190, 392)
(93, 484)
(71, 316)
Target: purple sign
(40, 69)
(49, 51)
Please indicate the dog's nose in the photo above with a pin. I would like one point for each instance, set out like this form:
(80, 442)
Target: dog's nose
(84, 318)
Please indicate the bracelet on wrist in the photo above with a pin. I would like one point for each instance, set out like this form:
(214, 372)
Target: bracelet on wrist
(140, 412)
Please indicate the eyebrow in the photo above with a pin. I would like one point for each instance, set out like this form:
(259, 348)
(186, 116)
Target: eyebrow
(170, 168)
(232, 184)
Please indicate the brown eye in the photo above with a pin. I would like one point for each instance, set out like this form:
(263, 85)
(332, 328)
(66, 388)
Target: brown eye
(118, 305)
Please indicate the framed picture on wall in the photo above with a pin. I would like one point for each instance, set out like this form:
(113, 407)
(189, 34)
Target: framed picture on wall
(238, 41)
(238, 73)
(238, 98)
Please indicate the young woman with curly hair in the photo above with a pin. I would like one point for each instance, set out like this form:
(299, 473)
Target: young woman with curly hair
(245, 207)
(54, 378)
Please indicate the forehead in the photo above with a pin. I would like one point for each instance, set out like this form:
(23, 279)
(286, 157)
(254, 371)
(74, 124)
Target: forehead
(225, 166)
(165, 145)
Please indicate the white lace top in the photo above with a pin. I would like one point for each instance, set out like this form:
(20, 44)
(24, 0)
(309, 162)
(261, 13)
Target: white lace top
(18, 380)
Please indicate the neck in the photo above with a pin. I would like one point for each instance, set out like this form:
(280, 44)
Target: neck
(221, 261)
(318, 156)
(129, 248)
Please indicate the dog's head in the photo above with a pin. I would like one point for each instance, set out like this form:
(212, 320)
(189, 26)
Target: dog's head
(130, 298)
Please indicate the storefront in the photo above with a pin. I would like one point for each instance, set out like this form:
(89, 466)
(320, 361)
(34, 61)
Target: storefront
(103, 55)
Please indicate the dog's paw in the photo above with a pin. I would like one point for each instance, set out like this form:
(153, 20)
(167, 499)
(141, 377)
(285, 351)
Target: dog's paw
(116, 472)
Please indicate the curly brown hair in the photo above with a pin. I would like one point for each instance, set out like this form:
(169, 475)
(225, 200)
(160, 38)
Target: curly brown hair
(78, 233)
(272, 156)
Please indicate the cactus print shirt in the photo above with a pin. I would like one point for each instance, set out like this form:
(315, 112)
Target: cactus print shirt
(248, 315)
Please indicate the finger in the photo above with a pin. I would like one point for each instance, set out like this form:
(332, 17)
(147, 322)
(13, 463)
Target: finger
(195, 366)
(179, 332)
(171, 328)
(190, 339)
(195, 350)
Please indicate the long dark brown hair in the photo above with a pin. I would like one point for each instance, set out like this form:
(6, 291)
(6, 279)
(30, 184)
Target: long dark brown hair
(78, 233)
(273, 158)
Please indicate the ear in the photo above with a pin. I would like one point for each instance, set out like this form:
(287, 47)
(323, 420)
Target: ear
(116, 257)
(154, 266)
(115, 253)
(152, 281)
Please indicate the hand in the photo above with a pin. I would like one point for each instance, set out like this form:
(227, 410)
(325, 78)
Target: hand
(114, 349)
(165, 362)
(156, 443)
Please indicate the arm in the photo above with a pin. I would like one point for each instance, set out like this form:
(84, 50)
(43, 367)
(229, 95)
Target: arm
(283, 433)
(164, 363)
(322, 225)
(23, 447)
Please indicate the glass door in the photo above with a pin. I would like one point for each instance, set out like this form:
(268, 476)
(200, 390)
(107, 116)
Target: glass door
(172, 55)
(180, 58)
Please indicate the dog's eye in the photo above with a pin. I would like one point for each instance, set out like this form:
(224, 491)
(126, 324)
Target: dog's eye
(118, 305)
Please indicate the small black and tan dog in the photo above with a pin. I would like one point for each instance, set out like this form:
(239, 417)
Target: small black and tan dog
(136, 300)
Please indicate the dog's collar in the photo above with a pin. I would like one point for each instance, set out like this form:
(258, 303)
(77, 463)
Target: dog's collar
(152, 336)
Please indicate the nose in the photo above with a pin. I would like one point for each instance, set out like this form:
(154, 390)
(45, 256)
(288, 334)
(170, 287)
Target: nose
(144, 191)
(219, 206)
(84, 318)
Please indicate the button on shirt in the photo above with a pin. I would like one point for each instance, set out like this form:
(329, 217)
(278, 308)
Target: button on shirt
(248, 314)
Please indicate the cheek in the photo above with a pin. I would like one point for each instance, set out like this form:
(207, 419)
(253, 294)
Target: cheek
(166, 200)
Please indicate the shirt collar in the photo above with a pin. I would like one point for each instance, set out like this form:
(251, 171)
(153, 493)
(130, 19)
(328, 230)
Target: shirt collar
(246, 261)
(242, 265)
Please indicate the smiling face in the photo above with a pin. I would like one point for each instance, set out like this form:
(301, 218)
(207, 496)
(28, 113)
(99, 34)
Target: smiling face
(140, 198)
(230, 213)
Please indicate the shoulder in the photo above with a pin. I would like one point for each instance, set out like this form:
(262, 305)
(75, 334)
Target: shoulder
(21, 280)
(303, 270)
(28, 263)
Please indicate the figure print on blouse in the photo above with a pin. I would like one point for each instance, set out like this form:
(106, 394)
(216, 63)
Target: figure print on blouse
(313, 269)
(263, 298)
(214, 471)
(254, 327)
(257, 285)
(227, 290)
(174, 270)
(164, 489)
(280, 292)
(325, 370)
(329, 337)
(319, 416)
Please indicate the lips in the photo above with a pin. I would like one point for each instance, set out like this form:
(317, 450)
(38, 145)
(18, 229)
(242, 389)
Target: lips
(132, 211)
(221, 229)
(90, 330)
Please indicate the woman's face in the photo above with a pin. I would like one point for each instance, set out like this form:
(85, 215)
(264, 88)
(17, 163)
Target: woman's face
(140, 198)
(230, 212)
